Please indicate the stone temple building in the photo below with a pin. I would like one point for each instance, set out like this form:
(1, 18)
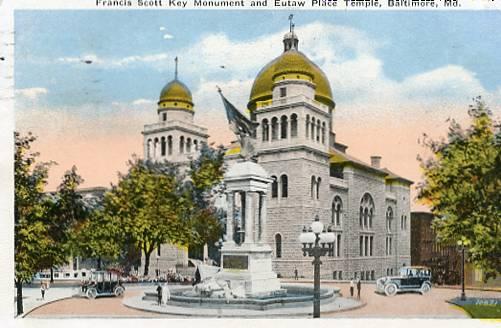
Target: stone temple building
(367, 206)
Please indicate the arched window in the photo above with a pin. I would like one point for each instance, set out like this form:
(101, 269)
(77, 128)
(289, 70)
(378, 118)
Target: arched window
(366, 211)
(195, 144)
(318, 187)
(323, 132)
(181, 145)
(169, 145)
(278, 245)
(284, 126)
(313, 186)
(265, 129)
(293, 125)
(389, 219)
(162, 146)
(155, 148)
(313, 128)
(188, 145)
(337, 208)
(148, 148)
(274, 187)
(284, 184)
(319, 126)
(307, 125)
(274, 128)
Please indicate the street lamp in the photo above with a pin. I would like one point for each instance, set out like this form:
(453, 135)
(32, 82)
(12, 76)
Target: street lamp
(462, 244)
(317, 242)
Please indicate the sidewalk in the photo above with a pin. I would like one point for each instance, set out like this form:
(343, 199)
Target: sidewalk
(32, 297)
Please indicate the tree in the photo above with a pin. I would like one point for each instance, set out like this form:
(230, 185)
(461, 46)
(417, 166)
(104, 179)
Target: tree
(205, 184)
(147, 204)
(30, 232)
(66, 211)
(462, 185)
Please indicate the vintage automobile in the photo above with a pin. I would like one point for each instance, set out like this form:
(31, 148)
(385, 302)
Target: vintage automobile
(104, 283)
(410, 279)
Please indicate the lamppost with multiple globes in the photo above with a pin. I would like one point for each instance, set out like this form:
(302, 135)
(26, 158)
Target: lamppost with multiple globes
(317, 241)
(462, 244)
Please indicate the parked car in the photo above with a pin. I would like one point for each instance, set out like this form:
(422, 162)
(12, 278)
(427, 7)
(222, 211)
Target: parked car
(104, 283)
(410, 279)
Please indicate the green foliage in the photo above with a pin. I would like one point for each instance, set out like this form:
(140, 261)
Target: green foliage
(31, 238)
(66, 211)
(462, 185)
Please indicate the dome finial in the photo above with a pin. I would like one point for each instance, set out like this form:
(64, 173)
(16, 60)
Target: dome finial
(175, 71)
(290, 39)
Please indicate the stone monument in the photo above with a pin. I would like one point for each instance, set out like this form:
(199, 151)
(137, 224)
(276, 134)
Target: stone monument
(245, 257)
(246, 264)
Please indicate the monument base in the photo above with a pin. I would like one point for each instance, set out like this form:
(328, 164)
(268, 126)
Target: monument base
(247, 269)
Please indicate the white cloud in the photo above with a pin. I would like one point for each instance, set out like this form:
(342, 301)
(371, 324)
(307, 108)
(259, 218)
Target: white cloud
(162, 28)
(31, 93)
(142, 101)
(168, 36)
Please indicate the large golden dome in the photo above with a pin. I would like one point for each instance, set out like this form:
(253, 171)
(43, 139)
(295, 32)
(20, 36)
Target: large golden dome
(291, 61)
(175, 95)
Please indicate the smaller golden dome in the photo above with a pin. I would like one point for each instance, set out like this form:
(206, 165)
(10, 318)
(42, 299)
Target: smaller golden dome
(176, 95)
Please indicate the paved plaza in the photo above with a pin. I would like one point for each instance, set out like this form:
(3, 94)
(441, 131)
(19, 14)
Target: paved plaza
(410, 305)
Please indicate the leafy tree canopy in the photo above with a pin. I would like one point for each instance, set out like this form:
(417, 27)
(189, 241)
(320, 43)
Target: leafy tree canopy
(462, 185)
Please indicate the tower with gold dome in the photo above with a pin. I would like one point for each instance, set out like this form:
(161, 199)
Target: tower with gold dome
(312, 175)
(175, 137)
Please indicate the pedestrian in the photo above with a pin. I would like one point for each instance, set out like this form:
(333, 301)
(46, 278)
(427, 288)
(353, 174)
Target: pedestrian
(42, 290)
(359, 286)
(159, 294)
(165, 293)
(352, 287)
(295, 274)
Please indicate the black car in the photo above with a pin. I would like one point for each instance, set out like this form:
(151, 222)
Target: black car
(410, 279)
(104, 283)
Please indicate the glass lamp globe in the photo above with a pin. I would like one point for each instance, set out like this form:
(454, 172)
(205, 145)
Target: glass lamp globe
(307, 238)
(317, 226)
(327, 237)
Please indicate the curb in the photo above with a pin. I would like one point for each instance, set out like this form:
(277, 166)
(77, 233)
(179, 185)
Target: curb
(46, 303)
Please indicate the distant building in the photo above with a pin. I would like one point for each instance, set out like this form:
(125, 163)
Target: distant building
(444, 260)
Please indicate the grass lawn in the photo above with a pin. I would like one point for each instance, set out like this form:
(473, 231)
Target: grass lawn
(483, 311)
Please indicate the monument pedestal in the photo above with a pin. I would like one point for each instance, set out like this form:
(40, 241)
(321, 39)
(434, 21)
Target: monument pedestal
(248, 268)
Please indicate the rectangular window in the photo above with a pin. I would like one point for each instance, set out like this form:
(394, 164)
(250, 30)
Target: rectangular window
(56, 275)
(361, 245)
(164, 117)
(283, 92)
(366, 246)
(83, 274)
(338, 245)
(67, 275)
(362, 275)
(158, 251)
(75, 275)
(340, 275)
(334, 275)
(371, 245)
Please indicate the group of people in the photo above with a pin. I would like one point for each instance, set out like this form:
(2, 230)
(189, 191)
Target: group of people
(352, 287)
(163, 294)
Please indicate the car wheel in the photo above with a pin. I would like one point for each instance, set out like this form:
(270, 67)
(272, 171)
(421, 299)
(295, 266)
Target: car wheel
(119, 291)
(390, 290)
(92, 293)
(425, 288)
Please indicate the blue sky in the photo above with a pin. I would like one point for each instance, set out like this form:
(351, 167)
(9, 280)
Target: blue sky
(394, 75)
(411, 42)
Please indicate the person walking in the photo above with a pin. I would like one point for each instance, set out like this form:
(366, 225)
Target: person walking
(295, 274)
(43, 289)
(359, 286)
(165, 293)
(352, 287)
(159, 294)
